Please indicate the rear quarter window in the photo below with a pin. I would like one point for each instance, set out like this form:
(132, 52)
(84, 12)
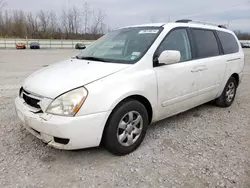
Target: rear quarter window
(228, 42)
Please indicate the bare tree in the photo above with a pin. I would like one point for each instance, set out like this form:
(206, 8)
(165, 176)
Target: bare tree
(7, 21)
(53, 27)
(18, 23)
(32, 24)
(72, 23)
(43, 20)
(76, 15)
(86, 17)
(64, 22)
(2, 4)
(97, 25)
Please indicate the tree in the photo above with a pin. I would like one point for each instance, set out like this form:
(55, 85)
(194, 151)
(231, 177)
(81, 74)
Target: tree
(76, 16)
(97, 25)
(44, 19)
(72, 23)
(86, 16)
(64, 23)
(18, 23)
(32, 24)
(2, 4)
(53, 22)
(242, 35)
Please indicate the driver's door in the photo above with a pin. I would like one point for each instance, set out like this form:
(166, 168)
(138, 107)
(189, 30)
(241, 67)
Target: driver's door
(177, 89)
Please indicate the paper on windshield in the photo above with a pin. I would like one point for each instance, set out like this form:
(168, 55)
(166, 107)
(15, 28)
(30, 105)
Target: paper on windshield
(154, 31)
(136, 53)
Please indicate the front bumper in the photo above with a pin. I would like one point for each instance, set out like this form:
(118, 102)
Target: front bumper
(82, 132)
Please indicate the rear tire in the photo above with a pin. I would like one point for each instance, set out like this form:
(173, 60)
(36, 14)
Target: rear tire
(126, 128)
(228, 95)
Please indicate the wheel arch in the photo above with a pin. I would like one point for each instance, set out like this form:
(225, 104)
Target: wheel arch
(136, 97)
(141, 99)
(237, 78)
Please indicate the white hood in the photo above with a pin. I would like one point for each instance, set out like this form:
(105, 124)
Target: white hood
(64, 76)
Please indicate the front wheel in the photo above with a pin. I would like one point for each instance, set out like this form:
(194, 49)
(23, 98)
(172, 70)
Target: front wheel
(126, 128)
(227, 97)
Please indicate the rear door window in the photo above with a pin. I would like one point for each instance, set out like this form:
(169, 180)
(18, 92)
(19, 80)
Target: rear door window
(206, 43)
(228, 42)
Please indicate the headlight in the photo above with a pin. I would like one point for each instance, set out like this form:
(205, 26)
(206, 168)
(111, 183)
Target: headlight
(69, 103)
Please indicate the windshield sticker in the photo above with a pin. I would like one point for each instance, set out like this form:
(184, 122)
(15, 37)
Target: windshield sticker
(136, 53)
(149, 31)
(133, 57)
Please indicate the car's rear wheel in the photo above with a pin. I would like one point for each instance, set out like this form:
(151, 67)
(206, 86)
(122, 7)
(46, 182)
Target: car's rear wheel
(126, 128)
(227, 97)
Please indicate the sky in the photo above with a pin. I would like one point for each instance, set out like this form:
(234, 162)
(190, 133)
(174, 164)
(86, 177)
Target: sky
(235, 13)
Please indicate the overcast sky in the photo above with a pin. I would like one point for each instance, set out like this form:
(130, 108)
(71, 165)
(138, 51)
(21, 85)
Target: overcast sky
(129, 12)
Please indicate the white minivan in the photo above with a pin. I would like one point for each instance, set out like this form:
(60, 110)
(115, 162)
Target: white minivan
(128, 79)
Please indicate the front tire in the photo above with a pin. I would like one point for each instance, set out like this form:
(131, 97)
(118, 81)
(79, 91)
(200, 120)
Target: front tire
(126, 128)
(227, 97)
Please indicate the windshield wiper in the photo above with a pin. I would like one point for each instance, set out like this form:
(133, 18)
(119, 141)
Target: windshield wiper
(91, 58)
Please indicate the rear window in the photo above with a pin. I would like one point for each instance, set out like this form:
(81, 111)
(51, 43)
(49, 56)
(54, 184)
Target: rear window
(206, 43)
(229, 42)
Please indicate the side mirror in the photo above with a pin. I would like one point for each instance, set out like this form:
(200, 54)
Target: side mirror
(169, 57)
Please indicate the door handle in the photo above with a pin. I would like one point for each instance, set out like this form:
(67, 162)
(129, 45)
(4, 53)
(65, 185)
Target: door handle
(195, 70)
(199, 69)
(203, 69)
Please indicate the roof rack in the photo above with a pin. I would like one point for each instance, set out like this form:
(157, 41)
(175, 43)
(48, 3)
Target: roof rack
(187, 21)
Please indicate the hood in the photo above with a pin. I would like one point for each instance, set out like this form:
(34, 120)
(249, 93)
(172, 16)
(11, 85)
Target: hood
(67, 75)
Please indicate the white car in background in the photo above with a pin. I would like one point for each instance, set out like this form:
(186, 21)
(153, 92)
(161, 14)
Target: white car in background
(128, 79)
(245, 44)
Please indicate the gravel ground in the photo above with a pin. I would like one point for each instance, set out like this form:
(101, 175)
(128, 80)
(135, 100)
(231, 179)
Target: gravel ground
(204, 147)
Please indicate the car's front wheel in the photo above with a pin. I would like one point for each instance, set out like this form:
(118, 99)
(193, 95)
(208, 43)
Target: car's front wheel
(126, 128)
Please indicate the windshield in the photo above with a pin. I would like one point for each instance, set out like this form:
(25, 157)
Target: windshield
(122, 46)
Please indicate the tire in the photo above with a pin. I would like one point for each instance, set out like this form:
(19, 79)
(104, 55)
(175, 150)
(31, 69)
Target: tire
(228, 95)
(124, 115)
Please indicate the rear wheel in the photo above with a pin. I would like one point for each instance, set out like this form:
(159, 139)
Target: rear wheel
(227, 97)
(126, 128)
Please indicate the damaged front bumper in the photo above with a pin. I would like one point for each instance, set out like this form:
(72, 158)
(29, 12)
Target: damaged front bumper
(61, 132)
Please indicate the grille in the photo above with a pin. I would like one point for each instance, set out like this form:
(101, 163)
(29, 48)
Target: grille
(29, 100)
